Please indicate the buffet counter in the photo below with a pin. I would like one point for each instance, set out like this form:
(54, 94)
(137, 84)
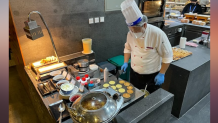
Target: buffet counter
(41, 103)
(189, 79)
(55, 96)
(175, 22)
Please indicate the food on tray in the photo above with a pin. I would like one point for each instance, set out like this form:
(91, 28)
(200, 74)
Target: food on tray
(122, 82)
(121, 90)
(172, 13)
(48, 59)
(129, 87)
(112, 82)
(73, 98)
(119, 86)
(130, 91)
(126, 95)
(67, 87)
(127, 84)
(184, 20)
(179, 53)
(114, 87)
(106, 85)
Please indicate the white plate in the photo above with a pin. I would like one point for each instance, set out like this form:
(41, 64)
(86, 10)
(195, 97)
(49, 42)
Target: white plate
(58, 77)
(88, 53)
(62, 95)
(55, 73)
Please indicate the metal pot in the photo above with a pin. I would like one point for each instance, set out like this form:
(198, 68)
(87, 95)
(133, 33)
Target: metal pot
(83, 69)
(83, 63)
(99, 106)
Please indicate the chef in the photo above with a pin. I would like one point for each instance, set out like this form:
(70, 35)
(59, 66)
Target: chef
(192, 7)
(148, 47)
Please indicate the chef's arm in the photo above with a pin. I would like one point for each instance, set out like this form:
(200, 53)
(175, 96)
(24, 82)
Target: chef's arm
(126, 57)
(164, 67)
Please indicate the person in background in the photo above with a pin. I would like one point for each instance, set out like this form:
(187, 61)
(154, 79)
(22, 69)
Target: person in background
(149, 49)
(203, 4)
(192, 7)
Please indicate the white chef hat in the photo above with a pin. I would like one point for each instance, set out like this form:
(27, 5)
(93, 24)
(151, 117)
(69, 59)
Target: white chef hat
(131, 12)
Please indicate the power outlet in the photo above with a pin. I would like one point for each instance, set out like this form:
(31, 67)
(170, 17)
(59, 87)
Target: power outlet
(91, 20)
(97, 20)
(101, 19)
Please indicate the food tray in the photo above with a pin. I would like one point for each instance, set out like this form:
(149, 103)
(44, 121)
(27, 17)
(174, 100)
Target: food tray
(182, 57)
(53, 108)
(46, 88)
(124, 87)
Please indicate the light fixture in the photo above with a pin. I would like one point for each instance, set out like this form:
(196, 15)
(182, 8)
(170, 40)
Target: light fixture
(34, 31)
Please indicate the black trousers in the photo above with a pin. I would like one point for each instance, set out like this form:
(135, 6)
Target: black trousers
(140, 81)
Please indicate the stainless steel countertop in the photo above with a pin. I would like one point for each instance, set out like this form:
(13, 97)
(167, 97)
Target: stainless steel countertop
(49, 99)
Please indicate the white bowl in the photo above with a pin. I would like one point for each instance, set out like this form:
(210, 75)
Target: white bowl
(79, 94)
(64, 96)
(58, 78)
(55, 73)
(61, 82)
(69, 90)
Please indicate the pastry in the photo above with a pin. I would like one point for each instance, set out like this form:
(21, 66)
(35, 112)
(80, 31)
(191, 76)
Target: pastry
(126, 95)
(129, 87)
(122, 82)
(106, 85)
(127, 84)
(119, 86)
(121, 90)
(130, 91)
(112, 82)
(114, 87)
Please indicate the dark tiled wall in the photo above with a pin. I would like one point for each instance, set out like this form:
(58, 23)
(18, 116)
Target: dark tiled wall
(68, 23)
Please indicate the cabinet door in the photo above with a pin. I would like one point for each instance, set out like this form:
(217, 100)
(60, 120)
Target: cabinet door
(190, 35)
(174, 41)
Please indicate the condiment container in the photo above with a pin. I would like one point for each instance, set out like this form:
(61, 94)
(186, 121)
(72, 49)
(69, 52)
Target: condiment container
(91, 85)
(105, 75)
(82, 84)
(78, 79)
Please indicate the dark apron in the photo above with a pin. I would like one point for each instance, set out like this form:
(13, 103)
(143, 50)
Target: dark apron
(140, 81)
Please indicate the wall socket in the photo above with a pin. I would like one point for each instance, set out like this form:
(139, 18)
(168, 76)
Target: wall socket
(101, 19)
(97, 20)
(91, 20)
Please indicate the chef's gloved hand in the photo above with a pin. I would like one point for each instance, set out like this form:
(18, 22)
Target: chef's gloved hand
(159, 79)
(124, 67)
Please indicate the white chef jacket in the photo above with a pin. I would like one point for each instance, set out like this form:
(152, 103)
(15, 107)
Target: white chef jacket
(148, 52)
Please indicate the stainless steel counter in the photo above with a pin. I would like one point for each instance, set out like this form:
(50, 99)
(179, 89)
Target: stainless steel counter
(47, 100)
(175, 22)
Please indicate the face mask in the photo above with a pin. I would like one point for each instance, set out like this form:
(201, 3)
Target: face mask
(138, 35)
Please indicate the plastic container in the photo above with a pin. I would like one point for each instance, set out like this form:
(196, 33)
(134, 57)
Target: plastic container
(91, 85)
(87, 78)
(82, 84)
(87, 45)
(105, 75)
(78, 79)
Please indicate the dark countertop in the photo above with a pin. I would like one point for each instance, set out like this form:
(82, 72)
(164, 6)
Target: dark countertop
(144, 107)
(175, 22)
(200, 55)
